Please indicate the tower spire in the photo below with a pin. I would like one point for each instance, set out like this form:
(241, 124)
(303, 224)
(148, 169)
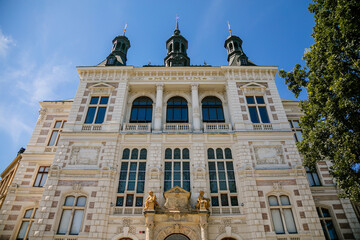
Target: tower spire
(177, 31)
(177, 22)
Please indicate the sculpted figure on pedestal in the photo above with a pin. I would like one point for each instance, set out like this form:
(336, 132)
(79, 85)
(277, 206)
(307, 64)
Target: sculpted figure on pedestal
(151, 202)
(203, 203)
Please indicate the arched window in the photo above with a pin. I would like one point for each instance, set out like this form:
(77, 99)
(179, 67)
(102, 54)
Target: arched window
(118, 46)
(143, 153)
(141, 111)
(212, 110)
(134, 153)
(228, 154)
(211, 153)
(280, 209)
(228, 238)
(185, 153)
(182, 48)
(231, 46)
(126, 153)
(235, 45)
(177, 110)
(176, 46)
(177, 153)
(170, 47)
(219, 153)
(26, 223)
(72, 215)
(168, 153)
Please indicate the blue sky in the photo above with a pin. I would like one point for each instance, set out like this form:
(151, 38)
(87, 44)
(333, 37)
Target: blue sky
(41, 43)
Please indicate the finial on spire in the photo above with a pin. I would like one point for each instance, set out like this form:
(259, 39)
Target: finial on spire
(229, 28)
(125, 29)
(177, 22)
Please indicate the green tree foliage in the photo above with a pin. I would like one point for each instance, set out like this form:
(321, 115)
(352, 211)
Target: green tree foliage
(331, 121)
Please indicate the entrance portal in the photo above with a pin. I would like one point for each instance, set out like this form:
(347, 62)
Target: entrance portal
(177, 236)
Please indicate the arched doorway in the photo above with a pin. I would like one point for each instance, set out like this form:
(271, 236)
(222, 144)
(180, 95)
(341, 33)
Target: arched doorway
(177, 236)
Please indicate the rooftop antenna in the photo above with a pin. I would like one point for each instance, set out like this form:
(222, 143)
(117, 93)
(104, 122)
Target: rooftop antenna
(177, 22)
(125, 29)
(229, 28)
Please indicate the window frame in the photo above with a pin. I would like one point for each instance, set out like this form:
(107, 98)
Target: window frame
(223, 158)
(311, 174)
(296, 129)
(181, 107)
(146, 106)
(281, 208)
(42, 175)
(31, 220)
(174, 160)
(134, 193)
(212, 106)
(257, 105)
(97, 106)
(56, 129)
(73, 209)
(329, 218)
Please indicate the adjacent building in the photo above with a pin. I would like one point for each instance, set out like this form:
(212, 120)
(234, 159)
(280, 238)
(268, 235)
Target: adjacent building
(215, 145)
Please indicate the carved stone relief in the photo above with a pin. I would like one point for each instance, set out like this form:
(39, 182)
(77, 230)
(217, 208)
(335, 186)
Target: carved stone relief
(84, 155)
(269, 155)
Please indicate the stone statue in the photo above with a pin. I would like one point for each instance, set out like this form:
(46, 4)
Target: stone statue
(203, 203)
(150, 202)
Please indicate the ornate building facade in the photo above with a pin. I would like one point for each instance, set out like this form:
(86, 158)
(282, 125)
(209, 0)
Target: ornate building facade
(172, 152)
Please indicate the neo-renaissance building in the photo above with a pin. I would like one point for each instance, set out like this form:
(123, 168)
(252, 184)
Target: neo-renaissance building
(176, 130)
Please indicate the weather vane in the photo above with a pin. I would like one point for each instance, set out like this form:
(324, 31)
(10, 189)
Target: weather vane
(125, 29)
(229, 28)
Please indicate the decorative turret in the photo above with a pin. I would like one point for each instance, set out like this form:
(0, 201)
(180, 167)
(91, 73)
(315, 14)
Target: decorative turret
(236, 55)
(117, 57)
(176, 47)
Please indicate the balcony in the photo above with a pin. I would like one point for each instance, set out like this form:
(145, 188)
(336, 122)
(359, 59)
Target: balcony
(177, 127)
(91, 127)
(262, 127)
(137, 127)
(217, 127)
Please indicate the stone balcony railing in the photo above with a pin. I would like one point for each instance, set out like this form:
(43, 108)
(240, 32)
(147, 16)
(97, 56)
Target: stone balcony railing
(217, 127)
(137, 127)
(91, 127)
(262, 127)
(227, 211)
(177, 127)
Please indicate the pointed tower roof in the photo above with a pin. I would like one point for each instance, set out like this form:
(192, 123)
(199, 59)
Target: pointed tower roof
(176, 47)
(236, 55)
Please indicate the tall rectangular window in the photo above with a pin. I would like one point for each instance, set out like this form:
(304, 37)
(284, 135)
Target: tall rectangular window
(72, 215)
(313, 177)
(132, 178)
(96, 111)
(257, 109)
(55, 132)
(222, 178)
(294, 125)
(177, 168)
(41, 177)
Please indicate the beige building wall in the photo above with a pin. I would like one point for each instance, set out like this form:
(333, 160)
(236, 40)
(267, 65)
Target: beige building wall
(87, 160)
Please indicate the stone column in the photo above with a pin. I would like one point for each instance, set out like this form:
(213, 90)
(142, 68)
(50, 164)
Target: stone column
(195, 107)
(158, 107)
(204, 225)
(149, 224)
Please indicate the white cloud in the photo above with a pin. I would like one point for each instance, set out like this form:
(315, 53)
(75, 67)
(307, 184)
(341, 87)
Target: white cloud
(12, 123)
(39, 84)
(5, 43)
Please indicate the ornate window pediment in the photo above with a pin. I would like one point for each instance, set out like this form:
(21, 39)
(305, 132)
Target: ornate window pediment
(101, 88)
(253, 88)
